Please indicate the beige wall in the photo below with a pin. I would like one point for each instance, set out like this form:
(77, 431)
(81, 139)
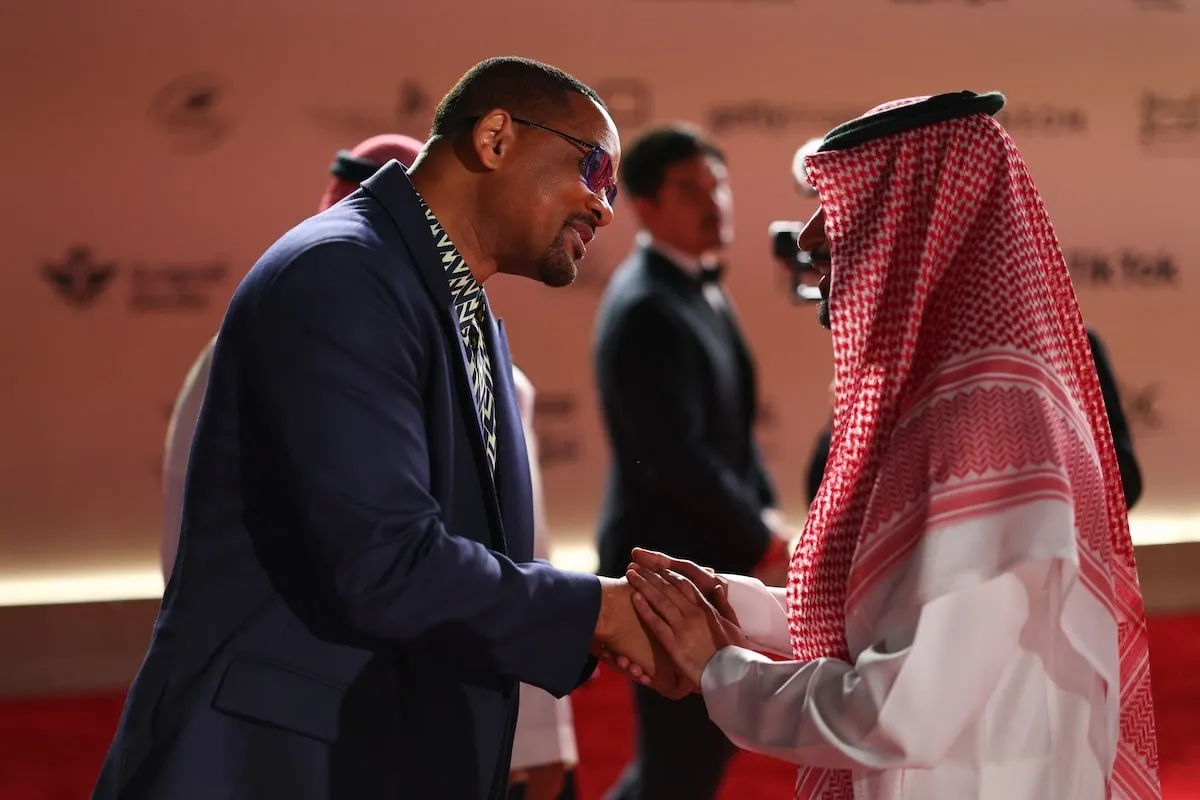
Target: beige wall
(176, 141)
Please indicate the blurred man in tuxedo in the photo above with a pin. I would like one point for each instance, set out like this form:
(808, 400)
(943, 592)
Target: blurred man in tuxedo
(354, 598)
(677, 388)
(544, 748)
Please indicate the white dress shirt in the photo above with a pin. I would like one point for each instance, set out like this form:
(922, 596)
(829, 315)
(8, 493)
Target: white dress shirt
(1001, 688)
(545, 730)
(688, 264)
(180, 431)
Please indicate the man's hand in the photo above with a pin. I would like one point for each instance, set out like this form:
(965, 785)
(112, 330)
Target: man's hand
(622, 640)
(543, 782)
(703, 578)
(690, 630)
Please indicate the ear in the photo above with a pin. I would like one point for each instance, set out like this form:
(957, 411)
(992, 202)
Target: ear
(493, 138)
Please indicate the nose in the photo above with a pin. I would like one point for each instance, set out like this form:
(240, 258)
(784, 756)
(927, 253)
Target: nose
(600, 210)
(813, 234)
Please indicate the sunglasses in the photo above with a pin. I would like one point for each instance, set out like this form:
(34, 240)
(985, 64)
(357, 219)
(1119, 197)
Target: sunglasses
(596, 168)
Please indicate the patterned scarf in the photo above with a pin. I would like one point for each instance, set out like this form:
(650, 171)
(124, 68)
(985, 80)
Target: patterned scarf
(954, 320)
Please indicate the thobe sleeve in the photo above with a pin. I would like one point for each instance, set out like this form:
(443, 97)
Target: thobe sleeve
(762, 613)
(545, 728)
(904, 700)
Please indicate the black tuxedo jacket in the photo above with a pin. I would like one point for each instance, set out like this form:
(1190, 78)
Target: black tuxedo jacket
(351, 608)
(677, 387)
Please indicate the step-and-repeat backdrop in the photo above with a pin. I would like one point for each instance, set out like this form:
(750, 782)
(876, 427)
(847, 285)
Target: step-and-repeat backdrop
(152, 150)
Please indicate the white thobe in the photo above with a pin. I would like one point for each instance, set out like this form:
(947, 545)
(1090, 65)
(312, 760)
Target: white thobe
(998, 689)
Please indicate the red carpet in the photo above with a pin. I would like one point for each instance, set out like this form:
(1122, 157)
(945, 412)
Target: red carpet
(50, 749)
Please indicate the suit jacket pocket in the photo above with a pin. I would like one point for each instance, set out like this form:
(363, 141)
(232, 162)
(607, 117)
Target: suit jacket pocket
(278, 695)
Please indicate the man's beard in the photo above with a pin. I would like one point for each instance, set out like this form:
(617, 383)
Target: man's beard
(556, 268)
(823, 304)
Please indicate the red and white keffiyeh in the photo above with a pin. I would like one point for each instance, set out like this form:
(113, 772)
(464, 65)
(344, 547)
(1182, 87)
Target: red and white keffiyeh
(965, 388)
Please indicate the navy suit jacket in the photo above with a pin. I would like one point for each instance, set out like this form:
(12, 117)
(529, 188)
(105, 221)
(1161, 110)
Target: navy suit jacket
(352, 605)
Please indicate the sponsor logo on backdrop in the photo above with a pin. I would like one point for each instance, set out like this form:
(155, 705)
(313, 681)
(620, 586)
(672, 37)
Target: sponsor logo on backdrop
(192, 113)
(80, 277)
(1170, 124)
(175, 286)
(629, 100)
(1141, 406)
(1043, 119)
(765, 116)
(1123, 268)
(410, 112)
(556, 421)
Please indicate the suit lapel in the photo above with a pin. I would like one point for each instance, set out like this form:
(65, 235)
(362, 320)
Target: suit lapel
(745, 362)
(391, 187)
(513, 488)
(703, 319)
(717, 330)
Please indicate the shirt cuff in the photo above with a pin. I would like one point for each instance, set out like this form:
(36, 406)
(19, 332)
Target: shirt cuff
(761, 612)
(728, 665)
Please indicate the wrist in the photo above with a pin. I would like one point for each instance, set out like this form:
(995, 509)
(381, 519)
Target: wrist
(612, 591)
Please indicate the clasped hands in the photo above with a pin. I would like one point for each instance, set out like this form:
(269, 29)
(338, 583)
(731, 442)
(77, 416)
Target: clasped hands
(664, 622)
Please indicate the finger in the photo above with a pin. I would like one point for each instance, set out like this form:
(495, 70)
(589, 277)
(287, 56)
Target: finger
(682, 585)
(658, 593)
(720, 600)
(672, 584)
(702, 605)
(623, 664)
(657, 625)
(651, 558)
(631, 669)
(703, 577)
(626, 667)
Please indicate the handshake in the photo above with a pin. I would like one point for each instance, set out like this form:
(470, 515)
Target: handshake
(664, 621)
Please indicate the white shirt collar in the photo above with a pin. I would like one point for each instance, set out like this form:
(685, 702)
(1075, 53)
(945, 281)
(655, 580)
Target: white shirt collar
(689, 264)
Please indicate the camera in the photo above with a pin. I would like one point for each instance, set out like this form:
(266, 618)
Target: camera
(785, 248)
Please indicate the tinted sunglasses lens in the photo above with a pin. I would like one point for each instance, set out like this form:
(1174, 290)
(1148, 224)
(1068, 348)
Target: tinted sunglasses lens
(598, 174)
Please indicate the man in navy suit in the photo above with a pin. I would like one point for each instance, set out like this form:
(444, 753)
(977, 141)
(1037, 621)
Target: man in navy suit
(354, 601)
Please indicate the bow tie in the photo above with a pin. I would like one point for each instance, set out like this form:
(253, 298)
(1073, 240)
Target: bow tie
(711, 274)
